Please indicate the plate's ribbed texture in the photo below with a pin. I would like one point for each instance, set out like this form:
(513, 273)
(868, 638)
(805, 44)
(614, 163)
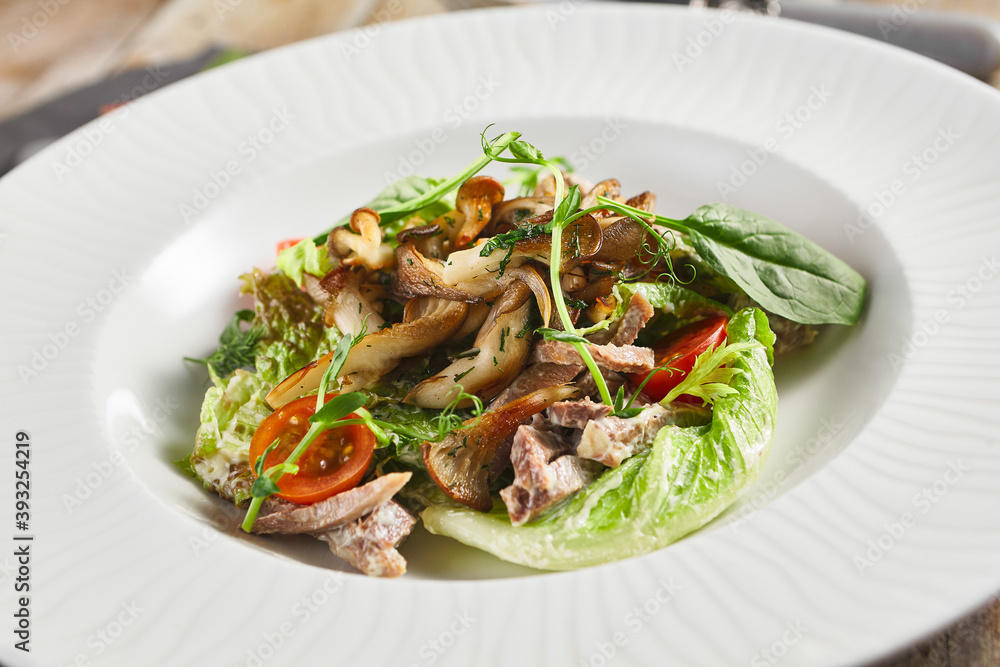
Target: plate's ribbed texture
(789, 581)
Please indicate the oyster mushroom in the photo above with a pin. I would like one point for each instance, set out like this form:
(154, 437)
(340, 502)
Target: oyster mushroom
(346, 307)
(609, 188)
(417, 275)
(362, 243)
(474, 201)
(580, 240)
(427, 322)
(459, 463)
(503, 345)
(511, 213)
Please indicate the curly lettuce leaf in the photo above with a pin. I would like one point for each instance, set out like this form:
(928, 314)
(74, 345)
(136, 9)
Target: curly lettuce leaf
(687, 478)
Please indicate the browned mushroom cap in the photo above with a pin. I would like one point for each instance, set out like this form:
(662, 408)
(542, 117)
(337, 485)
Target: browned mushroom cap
(362, 243)
(346, 308)
(459, 464)
(427, 322)
(503, 345)
(609, 188)
(622, 241)
(417, 275)
(644, 201)
(580, 240)
(511, 213)
(597, 287)
(474, 201)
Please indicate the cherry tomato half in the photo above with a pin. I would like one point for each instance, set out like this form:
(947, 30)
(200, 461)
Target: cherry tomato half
(335, 461)
(678, 350)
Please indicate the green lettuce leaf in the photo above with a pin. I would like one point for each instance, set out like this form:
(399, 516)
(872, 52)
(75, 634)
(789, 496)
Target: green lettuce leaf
(304, 257)
(687, 478)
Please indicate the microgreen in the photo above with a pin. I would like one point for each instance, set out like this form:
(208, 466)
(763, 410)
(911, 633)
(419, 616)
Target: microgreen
(526, 178)
(492, 149)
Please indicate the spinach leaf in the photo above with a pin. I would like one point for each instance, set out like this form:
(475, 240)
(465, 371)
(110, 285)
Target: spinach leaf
(784, 272)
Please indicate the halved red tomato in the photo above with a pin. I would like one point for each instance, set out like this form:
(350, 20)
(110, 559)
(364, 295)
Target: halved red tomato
(335, 461)
(678, 350)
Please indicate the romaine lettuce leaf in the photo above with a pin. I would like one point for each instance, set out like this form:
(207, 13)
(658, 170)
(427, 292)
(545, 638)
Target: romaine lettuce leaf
(683, 481)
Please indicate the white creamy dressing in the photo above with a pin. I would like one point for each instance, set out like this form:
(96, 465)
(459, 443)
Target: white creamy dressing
(215, 469)
(581, 517)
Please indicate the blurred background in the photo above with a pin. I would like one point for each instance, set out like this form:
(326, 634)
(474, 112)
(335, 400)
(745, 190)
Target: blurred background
(64, 62)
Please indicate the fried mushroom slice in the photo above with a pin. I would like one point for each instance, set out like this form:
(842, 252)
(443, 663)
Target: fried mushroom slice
(417, 275)
(580, 240)
(503, 351)
(459, 464)
(427, 322)
(346, 307)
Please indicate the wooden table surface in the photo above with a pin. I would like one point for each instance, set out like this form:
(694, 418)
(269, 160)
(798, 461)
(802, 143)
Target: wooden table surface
(72, 43)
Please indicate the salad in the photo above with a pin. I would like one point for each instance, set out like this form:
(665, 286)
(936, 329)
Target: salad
(560, 377)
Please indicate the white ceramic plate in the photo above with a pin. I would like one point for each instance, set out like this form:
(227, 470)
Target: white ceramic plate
(876, 522)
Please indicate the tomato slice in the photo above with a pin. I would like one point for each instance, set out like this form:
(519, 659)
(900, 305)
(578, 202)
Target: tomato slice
(286, 244)
(679, 349)
(335, 461)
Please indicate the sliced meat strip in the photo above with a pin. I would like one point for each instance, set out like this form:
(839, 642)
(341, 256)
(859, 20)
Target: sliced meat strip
(369, 544)
(611, 440)
(335, 510)
(638, 312)
(587, 386)
(534, 377)
(576, 414)
(624, 358)
(543, 473)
